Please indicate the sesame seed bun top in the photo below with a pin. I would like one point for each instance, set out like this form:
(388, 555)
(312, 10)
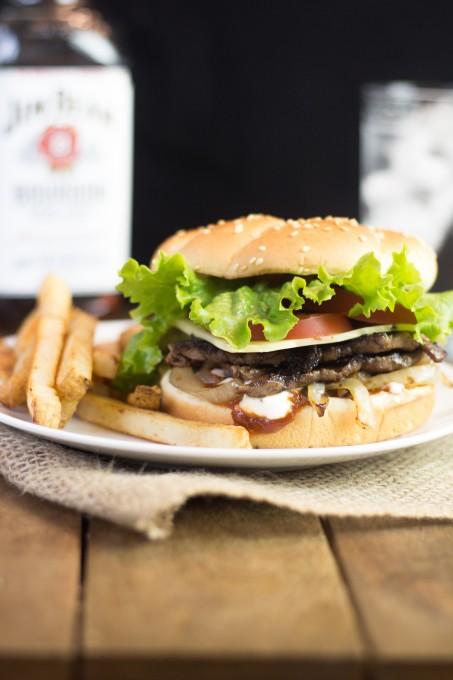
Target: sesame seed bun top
(262, 244)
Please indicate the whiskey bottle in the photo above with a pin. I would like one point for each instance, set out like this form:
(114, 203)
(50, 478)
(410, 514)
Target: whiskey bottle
(66, 127)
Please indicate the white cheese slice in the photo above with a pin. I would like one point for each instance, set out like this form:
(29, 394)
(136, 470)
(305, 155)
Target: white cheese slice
(272, 407)
(265, 346)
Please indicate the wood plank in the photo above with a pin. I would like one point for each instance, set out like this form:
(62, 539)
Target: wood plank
(235, 582)
(39, 586)
(401, 576)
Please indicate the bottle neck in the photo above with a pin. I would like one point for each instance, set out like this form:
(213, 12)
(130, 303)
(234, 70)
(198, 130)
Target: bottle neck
(30, 9)
(47, 3)
(55, 32)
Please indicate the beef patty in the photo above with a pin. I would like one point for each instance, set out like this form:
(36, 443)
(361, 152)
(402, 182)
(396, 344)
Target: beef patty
(260, 374)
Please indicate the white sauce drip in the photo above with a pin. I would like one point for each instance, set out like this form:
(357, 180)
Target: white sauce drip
(273, 407)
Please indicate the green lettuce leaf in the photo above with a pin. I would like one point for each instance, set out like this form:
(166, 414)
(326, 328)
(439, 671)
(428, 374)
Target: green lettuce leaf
(174, 290)
(379, 290)
(161, 296)
(139, 360)
(229, 314)
(434, 314)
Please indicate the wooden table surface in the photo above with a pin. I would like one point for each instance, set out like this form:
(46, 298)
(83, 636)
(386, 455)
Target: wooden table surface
(239, 591)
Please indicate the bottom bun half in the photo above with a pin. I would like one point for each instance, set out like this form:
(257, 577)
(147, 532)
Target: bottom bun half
(395, 415)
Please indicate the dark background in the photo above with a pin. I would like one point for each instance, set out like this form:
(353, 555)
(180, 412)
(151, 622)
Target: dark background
(248, 106)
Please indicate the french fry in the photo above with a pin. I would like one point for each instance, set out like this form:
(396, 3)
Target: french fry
(13, 392)
(42, 399)
(76, 363)
(26, 331)
(15, 363)
(54, 308)
(157, 426)
(54, 298)
(68, 408)
(7, 360)
(145, 396)
(106, 359)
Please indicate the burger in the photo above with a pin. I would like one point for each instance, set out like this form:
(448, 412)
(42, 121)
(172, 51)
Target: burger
(308, 333)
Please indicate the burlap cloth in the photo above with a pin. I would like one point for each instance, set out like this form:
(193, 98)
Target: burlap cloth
(414, 482)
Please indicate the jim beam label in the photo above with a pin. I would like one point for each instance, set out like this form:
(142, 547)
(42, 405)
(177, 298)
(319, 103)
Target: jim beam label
(65, 177)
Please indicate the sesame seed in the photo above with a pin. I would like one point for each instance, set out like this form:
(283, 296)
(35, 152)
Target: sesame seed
(308, 225)
(235, 267)
(362, 238)
(180, 232)
(327, 228)
(261, 247)
(259, 261)
(244, 266)
(343, 228)
(277, 227)
(238, 228)
(204, 230)
(294, 223)
(252, 260)
(353, 222)
(294, 233)
(305, 249)
(221, 222)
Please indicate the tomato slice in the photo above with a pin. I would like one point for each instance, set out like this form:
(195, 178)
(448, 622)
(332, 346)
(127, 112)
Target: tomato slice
(343, 301)
(340, 303)
(317, 325)
(380, 318)
(333, 318)
(311, 326)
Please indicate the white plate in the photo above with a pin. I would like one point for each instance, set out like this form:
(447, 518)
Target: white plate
(82, 435)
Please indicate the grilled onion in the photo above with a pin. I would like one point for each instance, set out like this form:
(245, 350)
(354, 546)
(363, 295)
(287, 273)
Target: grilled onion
(223, 393)
(316, 393)
(362, 400)
(421, 374)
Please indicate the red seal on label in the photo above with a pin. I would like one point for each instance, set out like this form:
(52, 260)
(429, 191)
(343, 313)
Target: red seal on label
(59, 146)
